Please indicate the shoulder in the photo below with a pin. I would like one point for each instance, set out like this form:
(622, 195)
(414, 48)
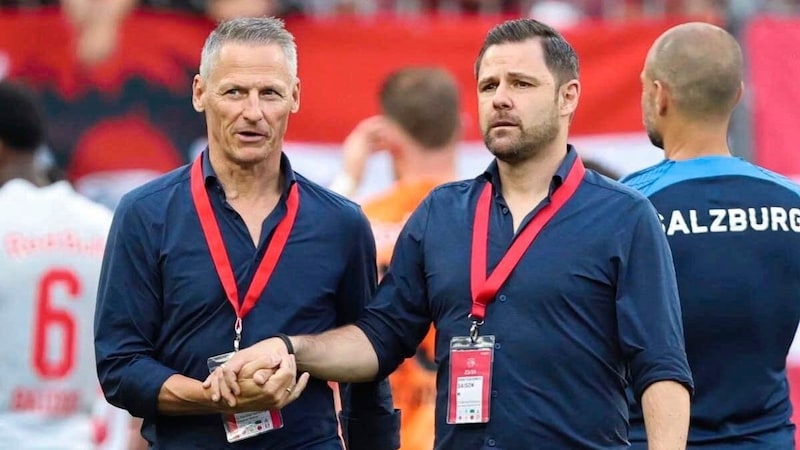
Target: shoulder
(604, 186)
(768, 175)
(455, 189)
(649, 179)
(672, 173)
(326, 203)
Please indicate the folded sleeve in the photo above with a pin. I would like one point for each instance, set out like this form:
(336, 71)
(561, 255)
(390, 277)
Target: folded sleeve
(369, 420)
(648, 306)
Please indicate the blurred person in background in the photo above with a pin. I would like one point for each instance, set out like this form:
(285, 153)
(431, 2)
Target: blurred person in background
(419, 125)
(238, 220)
(51, 244)
(734, 230)
(550, 287)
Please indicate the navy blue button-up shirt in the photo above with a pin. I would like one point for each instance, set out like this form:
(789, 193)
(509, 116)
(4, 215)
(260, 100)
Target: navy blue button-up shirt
(161, 308)
(591, 305)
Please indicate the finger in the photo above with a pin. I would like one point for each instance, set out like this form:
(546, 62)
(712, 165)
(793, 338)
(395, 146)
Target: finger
(298, 389)
(229, 377)
(235, 363)
(224, 389)
(213, 386)
(261, 377)
(264, 362)
(284, 377)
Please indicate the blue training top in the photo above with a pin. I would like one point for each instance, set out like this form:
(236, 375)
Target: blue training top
(734, 231)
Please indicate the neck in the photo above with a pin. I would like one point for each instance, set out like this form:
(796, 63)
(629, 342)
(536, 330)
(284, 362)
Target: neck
(21, 166)
(248, 182)
(532, 177)
(691, 140)
(420, 164)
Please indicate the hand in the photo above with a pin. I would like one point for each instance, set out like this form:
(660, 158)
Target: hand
(224, 384)
(273, 385)
(370, 135)
(269, 388)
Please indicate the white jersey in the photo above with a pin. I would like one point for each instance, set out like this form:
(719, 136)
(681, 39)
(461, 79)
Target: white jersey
(51, 247)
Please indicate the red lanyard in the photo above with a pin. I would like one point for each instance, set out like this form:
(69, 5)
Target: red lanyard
(484, 289)
(210, 226)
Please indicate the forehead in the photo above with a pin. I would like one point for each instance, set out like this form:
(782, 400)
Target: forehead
(521, 57)
(236, 59)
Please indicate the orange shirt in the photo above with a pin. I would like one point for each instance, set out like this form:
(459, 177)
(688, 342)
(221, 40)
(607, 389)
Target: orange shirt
(414, 382)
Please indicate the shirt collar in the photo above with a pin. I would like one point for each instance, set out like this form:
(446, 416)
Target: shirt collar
(492, 173)
(286, 171)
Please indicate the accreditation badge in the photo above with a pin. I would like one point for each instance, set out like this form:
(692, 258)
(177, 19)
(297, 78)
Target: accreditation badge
(470, 379)
(245, 425)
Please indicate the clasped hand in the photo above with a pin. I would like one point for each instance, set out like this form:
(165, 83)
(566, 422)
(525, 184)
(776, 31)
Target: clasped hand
(260, 377)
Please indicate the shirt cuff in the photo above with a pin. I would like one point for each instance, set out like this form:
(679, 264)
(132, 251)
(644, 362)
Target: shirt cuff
(375, 432)
(666, 364)
(143, 386)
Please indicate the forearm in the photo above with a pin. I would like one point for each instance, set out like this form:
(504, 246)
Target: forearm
(665, 405)
(181, 395)
(344, 354)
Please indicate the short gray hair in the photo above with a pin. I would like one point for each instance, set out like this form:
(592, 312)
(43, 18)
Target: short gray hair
(249, 30)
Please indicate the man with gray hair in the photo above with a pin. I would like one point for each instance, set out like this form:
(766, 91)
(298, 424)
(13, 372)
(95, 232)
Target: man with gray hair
(206, 259)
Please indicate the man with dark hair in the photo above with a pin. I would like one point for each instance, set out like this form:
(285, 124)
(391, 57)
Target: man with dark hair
(228, 251)
(550, 286)
(419, 126)
(734, 231)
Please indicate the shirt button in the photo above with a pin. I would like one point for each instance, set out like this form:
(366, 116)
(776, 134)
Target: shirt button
(497, 346)
(491, 442)
(505, 210)
(502, 297)
(494, 393)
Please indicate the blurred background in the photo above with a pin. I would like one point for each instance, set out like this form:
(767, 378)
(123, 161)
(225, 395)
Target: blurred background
(115, 78)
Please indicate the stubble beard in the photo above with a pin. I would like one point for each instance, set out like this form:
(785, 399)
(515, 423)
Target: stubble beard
(528, 144)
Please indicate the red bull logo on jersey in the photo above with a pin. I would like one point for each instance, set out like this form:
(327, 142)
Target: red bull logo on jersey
(731, 220)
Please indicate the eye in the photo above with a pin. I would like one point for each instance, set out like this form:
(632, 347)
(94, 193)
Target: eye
(522, 84)
(269, 92)
(488, 87)
(234, 92)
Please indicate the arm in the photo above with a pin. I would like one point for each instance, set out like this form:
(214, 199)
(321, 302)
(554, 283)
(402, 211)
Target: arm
(369, 136)
(128, 316)
(665, 405)
(650, 325)
(128, 320)
(368, 417)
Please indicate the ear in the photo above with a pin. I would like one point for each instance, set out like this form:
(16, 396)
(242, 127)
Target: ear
(662, 97)
(568, 95)
(198, 93)
(740, 93)
(296, 96)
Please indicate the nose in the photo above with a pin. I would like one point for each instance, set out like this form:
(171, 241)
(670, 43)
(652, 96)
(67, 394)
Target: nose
(501, 99)
(252, 107)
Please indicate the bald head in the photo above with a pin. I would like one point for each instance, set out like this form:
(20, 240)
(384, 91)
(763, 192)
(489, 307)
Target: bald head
(702, 66)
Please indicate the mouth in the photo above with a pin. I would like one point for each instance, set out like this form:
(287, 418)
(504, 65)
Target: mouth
(503, 123)
(250, 136)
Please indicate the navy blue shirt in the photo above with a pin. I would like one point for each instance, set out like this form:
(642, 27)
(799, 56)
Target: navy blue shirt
(591, 304)
(734, 230)
(161, 308)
